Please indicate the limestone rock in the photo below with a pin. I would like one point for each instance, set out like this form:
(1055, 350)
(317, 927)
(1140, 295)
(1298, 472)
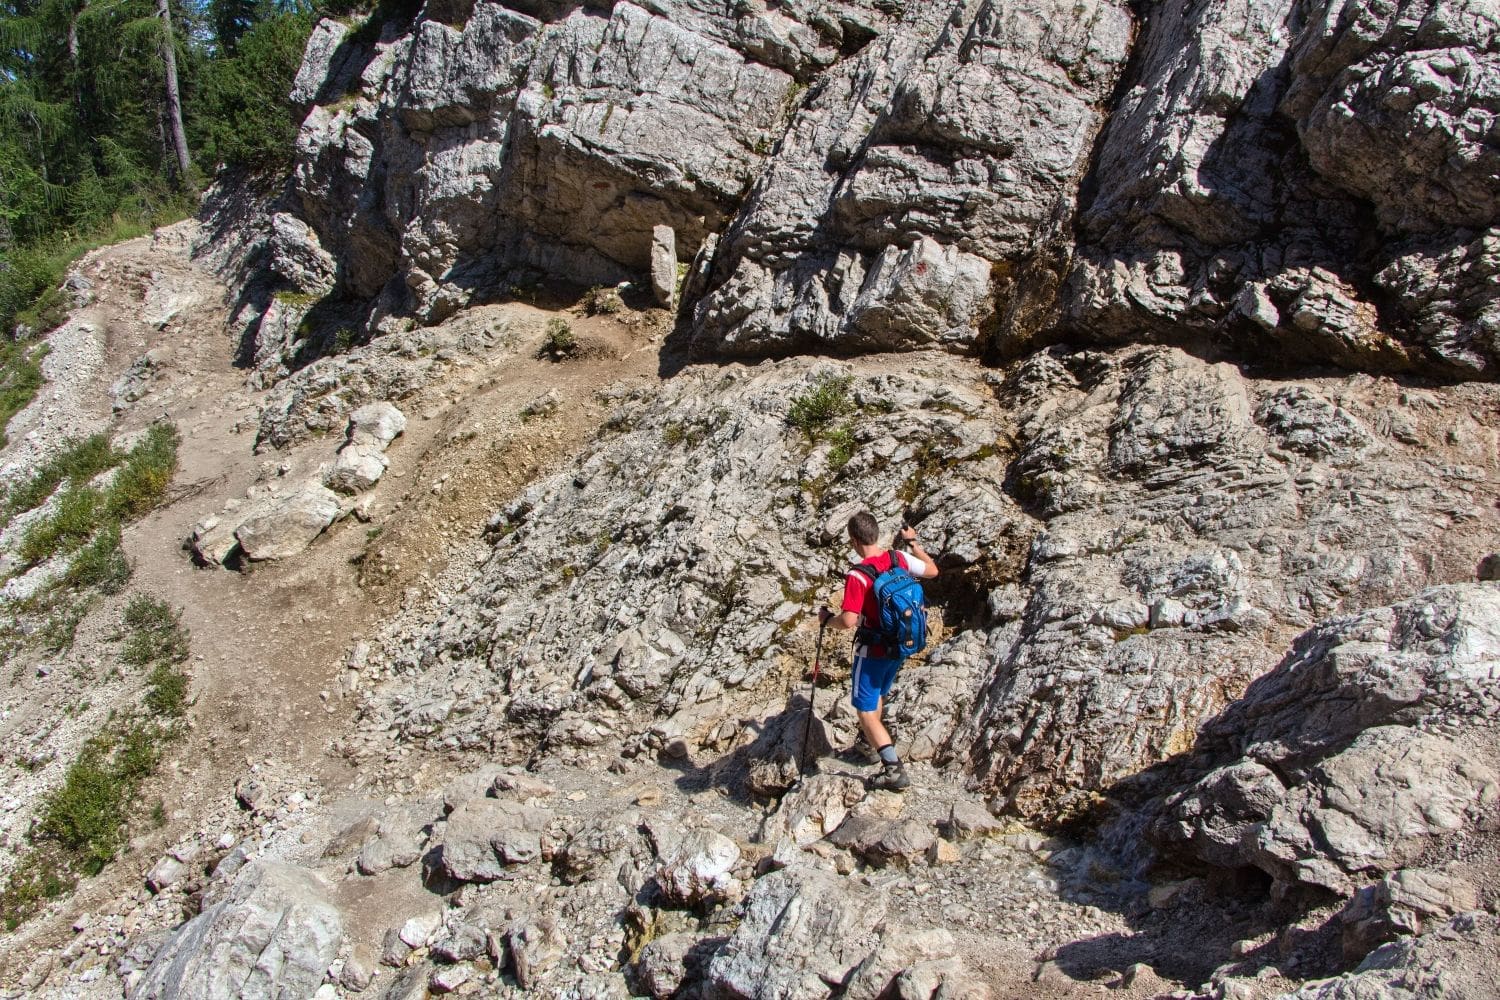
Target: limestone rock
(1453, 960)
(357, 468)
(534, 948)
(273, 933)
(375, 424)
(1405, 903)
(802, 930)
(485, 836)
(289, 524)
(664, 265)
(697, 868)
(1340, 773)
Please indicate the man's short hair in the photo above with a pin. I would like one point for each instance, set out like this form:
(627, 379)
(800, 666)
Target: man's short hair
(863, 528)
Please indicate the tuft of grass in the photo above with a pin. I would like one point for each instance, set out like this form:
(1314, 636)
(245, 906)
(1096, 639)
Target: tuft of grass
(20, 379)
(143, 479)
(66, 529)
(154, 633)
(815, 411)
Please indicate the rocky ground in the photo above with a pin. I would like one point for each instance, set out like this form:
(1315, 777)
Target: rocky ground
(416, 741)
(1170, 330)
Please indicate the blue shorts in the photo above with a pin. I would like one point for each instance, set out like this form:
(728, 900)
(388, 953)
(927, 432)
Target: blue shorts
(872, 681)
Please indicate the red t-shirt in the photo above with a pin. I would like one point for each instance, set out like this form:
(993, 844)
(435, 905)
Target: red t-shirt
(859, 595)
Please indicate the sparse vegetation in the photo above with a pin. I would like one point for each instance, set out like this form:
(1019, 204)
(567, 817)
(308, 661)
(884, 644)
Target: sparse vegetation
(602, 301)
(20, 379)
(83, 824)
(815, 411)
(560, 342)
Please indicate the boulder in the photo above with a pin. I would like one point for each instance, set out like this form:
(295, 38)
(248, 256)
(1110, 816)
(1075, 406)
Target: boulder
(802, 930)
(696, 869)
(289, 524)
(664, 265)
(484, 837)
(1451, 961)
(273, 932)
(1340, 772)
(375, 424)
(356, 468)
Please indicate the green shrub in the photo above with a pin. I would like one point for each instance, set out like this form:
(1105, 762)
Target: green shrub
(78, 462)
(99, 565)
(65, 529)
(828, 399)
(842, 445)
(560, 341)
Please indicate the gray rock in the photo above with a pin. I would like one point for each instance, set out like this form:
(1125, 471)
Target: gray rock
(664, 265)
(289, 525)
(1452, 961)
(667, 962)
(534, 947)
(1404, 903)
(899, 948)
(357, 468)
(697, 868)
(272, 933)
(376, 424)
(360, 966)
(802, 930)
(485, 836)
(1340, 773)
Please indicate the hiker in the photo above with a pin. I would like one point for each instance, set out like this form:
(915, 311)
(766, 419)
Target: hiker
(875, 662)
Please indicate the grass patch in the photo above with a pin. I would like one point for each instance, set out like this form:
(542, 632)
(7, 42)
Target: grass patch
(82, 824)
(20, 379)
(84, 512)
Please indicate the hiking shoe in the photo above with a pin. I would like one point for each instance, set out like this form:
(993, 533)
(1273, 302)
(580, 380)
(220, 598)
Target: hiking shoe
(893, 778)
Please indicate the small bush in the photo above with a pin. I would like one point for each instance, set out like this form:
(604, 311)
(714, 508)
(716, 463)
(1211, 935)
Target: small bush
(601, 301)
(66, 529)
(842, 445)
(560, 342)
(828, 399)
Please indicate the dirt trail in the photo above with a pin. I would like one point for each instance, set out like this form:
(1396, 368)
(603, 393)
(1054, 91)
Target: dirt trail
(268, 643)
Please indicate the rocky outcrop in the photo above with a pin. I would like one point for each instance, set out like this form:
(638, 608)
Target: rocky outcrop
(1357, 755)
(1233, 187)
(1302, 184)
(914, 173)
(273, 932)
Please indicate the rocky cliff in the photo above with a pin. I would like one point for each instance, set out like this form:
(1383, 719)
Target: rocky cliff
(1174, 330)
(1285, 182)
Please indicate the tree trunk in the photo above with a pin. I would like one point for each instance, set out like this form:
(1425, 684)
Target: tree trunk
(175, 132)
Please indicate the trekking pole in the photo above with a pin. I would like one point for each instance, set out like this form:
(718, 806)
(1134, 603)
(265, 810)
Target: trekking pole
(811, 701)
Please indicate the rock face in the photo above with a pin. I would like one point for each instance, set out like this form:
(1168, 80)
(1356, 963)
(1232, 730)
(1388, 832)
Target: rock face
(273, 933)
(913, 171)
(1352, 758)
(974, 176)
(1231, 186)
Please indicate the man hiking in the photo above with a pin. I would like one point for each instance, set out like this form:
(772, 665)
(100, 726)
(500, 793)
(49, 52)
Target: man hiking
(876, 658)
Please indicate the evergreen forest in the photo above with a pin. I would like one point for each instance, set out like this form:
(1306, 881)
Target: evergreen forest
(114, 115)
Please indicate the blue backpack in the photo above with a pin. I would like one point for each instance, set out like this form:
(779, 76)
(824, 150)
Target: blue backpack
(902, 627)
